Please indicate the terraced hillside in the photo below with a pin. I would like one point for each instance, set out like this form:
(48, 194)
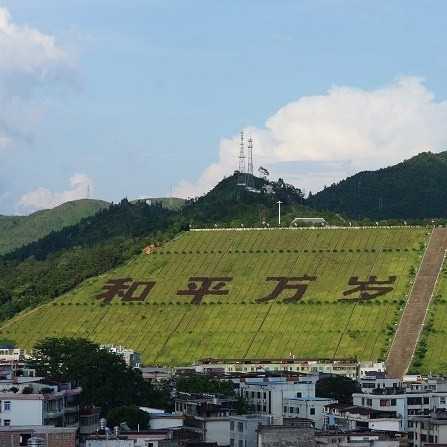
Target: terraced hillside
(253, 293)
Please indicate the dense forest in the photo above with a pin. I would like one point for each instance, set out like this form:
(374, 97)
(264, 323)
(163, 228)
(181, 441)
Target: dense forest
(413, 189)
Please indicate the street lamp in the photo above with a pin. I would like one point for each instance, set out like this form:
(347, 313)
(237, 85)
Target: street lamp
(279, 212)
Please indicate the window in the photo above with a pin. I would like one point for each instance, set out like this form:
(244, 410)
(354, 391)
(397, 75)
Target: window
(7, 405)
(291, 409)
(369, 402)
(423, 437)
(240, 427)
(426, 400)
(285, 409)
(297, 410)
(252, 394)
(384, 402)
(414, 400)
(393, 402)
(265, 395)
(264, 409)
(7, 422)
(231, 442)
(312, 411)
(259, 394)
(442, 400)
(299, 395)
(232, 425)
(241, 443)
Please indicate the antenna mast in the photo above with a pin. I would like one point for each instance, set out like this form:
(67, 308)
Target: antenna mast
(250, 156)
(242, 176)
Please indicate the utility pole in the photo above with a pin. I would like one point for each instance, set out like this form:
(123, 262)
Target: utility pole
(279, 212)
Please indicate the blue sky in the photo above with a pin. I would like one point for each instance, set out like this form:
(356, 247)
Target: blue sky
(146, 98)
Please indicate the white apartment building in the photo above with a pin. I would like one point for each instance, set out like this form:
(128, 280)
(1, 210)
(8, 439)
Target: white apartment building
(284, 397)
(406, 399)
(243, 429)
(309, 408)
(428, 429)
(40, 404)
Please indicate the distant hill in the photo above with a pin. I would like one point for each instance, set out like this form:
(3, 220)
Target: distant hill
(170, 203)
(413, 189)
(16, 231)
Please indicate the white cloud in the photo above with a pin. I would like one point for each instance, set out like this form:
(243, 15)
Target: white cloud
(358, 129)
(42, 198)
(28, 59)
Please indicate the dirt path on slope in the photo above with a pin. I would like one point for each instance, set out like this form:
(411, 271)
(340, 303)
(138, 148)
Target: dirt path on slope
(410, 326)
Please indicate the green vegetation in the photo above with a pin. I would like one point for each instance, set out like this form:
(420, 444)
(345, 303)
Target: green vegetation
(430, 355)
(16, 231)
(55, 264)
(106, 380)
(413, 189)
(340, 388)
(168, 328)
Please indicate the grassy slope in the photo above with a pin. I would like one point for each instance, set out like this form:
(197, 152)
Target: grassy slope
(16, 231)
(431, 355)
(168, 329)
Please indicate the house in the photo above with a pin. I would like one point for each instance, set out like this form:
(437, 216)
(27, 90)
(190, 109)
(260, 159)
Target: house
(244, 429)
(353, 417)
(31, 402)
(50, 436)
(284, 397)
(335, 438)
(345, 367)
(406, 399)
(424, 430)
(204, 405)
(300, 434)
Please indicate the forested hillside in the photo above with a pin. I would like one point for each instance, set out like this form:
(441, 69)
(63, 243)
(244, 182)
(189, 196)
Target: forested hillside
(413, 189)
(16, 231)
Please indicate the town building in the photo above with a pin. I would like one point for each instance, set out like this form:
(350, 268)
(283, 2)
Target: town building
(360, 439)
(345, 367)
(131, 357)
(300, 434)
(204, 405)
(49, 436)
(29, 401)
(244, 429)
(354, 418)
(432, 429)
(284, 397)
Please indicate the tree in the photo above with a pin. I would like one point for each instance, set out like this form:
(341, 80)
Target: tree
(106, 380)
(204, 384)
(340, 388)
(131, 415)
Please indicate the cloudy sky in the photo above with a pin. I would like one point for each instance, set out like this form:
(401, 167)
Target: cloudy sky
(108, 98)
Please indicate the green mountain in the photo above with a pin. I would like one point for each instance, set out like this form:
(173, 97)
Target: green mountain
(172, 203)
(413, 189)
(16, 231)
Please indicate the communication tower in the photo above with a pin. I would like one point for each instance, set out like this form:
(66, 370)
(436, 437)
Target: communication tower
(242, 180)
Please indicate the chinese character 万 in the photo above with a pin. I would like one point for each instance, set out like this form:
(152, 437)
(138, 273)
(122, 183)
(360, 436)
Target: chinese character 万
(199, 286)
(371, 288)
(288, 283)
(126, 289)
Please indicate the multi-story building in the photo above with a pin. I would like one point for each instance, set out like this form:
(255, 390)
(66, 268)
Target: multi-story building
(345, 367)
(361, 439)
(244, 428)
(311, 408)
(39, 404)
(352, 417)
(204, 405)
(300, 434)
(405, 399)
(48, 436)
(430, 429)
(284, 397)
